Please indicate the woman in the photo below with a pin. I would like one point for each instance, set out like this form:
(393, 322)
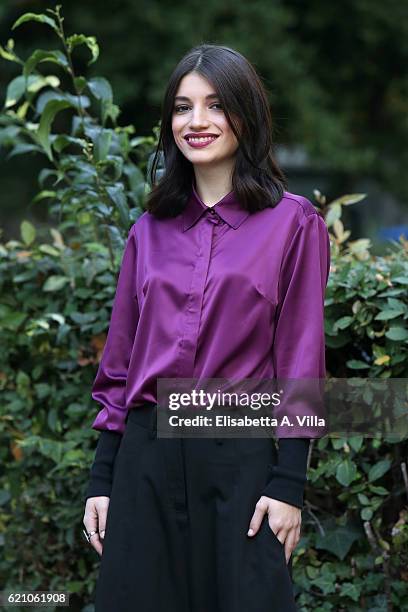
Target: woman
(223, 276)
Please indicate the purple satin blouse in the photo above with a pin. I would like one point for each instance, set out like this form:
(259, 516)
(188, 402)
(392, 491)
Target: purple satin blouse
(216, 292)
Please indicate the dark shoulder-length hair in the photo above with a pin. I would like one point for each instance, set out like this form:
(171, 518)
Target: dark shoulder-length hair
(257, 180)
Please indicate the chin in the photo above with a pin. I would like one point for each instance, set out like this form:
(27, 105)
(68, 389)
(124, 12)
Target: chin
(205, 162)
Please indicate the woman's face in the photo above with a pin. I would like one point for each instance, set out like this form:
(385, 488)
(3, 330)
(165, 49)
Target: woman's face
(200, 128)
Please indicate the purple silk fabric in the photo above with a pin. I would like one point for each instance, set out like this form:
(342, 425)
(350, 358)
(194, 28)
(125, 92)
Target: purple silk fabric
(215, 292)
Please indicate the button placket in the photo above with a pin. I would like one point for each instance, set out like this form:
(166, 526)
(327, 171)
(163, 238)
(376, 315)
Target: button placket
(213, 217)
(193, 311)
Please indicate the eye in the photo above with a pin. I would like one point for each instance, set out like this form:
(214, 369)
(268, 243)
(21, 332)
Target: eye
(180, 107)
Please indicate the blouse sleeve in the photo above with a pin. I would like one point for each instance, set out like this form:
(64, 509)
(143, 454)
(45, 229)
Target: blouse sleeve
(109, 387)
(299, 343)
(299, 346)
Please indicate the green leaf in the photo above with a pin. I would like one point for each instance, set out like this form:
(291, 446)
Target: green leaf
(360, 247)
(100, 88)
(41, 18)
(74, 457)
(45, 193)
(50, 111)
(62, 141)
(346, 472)
(47, 96)
(363, 499)
(338, 540)
(326, 584)
(350, 198)
(13, 320)
(8, 54)
(75, 586)
(52, 418)
(22, 149)
(312, 572)
(117, 195)
(379, 469)
(82, 318)
(396, 304)
(80, 83)
(333, 214)
(355, 442)
(338, 443)
(366, 514)
(54, 283)
(36, 82)
(27, 232)
(110, 110)
(385, 315)
(348, 589)
(102, 144)
(397, 333)
(15, 90)
(42, 55)
(356, 364)
(343, 322)
(378, 490)
(90, 41)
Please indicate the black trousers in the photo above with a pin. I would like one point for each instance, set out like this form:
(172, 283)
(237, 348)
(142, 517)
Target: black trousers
(176, 532)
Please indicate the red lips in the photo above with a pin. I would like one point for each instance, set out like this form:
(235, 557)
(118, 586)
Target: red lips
(200, 135)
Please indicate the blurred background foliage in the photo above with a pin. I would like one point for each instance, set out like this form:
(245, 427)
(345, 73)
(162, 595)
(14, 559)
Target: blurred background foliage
(336, 75)
(57, 282)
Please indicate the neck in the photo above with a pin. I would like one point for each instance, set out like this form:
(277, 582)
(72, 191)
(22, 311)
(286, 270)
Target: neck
(212, 184)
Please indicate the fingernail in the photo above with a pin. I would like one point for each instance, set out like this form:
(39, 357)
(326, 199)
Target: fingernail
(102, 533)
(250, 532)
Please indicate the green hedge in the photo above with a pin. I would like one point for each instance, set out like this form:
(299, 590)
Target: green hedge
(57, 287)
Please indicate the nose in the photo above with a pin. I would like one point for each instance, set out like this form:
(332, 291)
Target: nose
(198, 118)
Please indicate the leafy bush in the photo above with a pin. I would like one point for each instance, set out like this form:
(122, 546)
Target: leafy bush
(57, 288)
(355, 548)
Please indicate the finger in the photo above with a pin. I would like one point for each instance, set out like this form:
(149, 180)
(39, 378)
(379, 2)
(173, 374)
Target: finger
(298, 534)
(91, 525)
(279, 532)
(96, 543)
(101, 506)
(95, 514)
(260, 508)
(103, 512)
(290, 543)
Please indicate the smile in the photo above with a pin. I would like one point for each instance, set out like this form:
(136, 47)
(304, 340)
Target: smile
(201, 142)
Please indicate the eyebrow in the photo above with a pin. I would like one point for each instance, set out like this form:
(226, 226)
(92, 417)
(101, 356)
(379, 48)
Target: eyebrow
(185, 98)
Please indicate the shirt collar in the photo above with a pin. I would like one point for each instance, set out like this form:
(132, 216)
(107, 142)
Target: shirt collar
(228, 208)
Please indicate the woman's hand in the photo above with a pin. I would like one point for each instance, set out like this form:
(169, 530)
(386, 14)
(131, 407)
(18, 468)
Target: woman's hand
(96, 510)
(284, 520)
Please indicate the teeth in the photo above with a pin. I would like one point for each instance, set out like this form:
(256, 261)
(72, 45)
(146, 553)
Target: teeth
(202, 139)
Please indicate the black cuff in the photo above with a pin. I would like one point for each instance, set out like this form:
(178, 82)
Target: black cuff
(101, 473)
(288, 477)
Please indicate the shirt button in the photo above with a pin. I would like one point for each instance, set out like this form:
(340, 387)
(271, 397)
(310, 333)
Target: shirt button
(212, 211)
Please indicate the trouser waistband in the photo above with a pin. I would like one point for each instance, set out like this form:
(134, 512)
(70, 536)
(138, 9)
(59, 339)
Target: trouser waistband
(144, 416)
